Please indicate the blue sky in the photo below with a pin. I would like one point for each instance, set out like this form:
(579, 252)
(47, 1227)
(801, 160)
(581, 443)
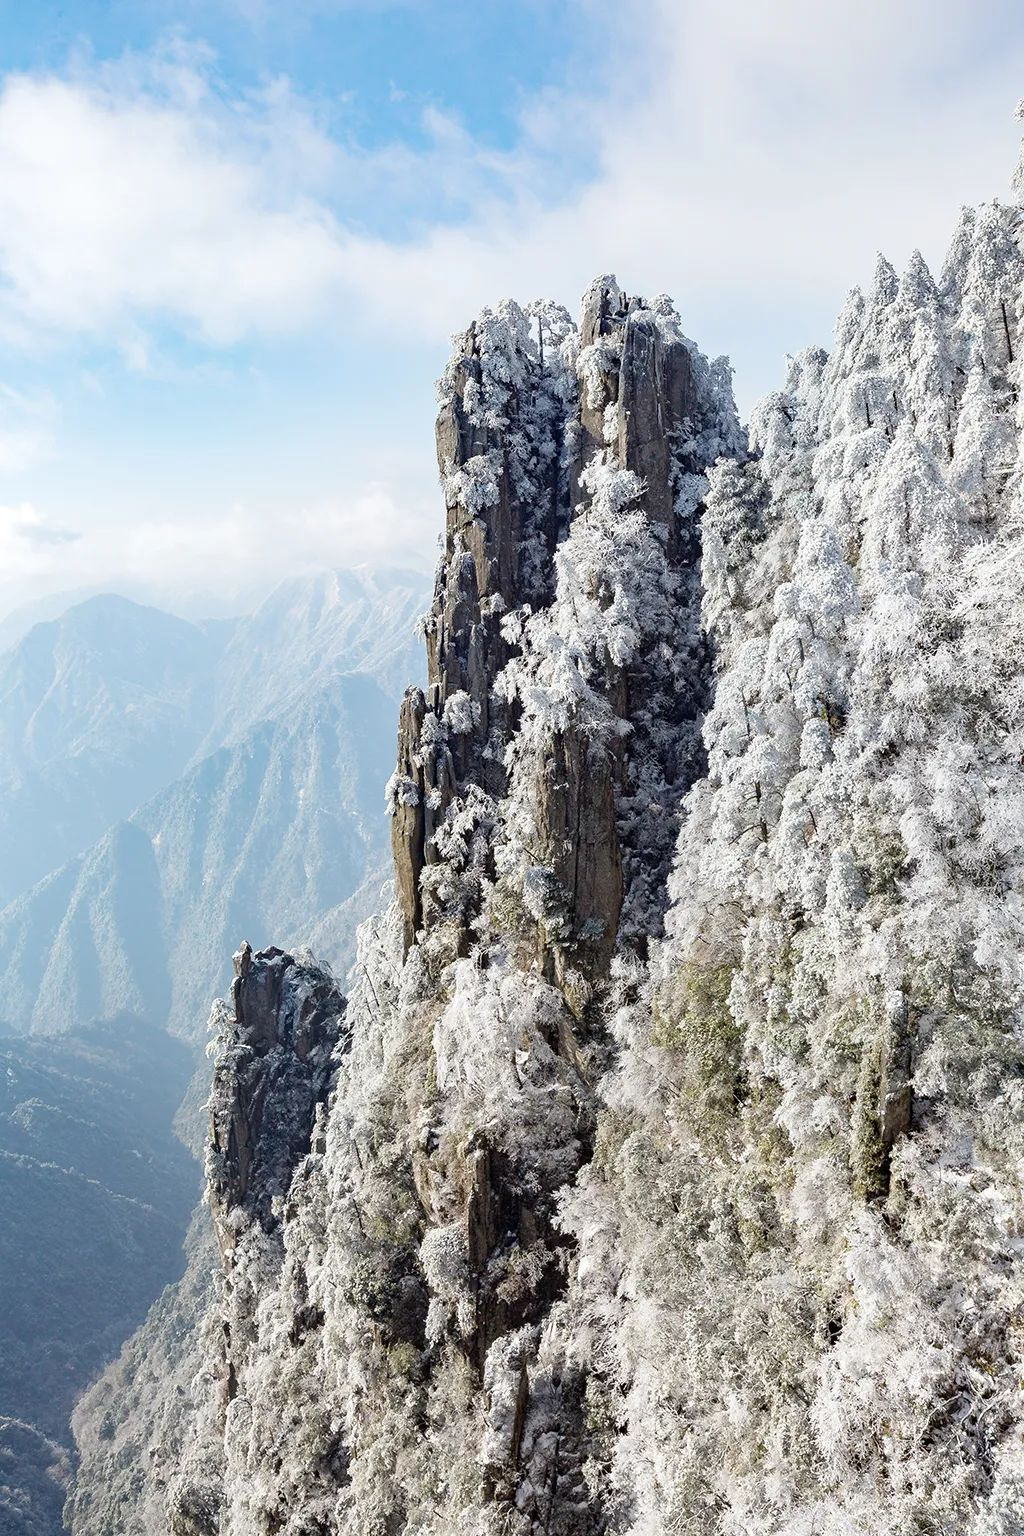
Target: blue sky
(235, 236)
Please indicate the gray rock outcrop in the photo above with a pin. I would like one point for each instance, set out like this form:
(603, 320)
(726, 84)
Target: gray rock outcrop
(514, 443)
(386, 1176)
(272, 1077)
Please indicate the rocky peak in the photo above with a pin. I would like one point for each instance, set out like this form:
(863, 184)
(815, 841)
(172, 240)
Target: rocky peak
(395, 1261)
(500, 453)
(642, 394)
(536, 414)
(273, 1073)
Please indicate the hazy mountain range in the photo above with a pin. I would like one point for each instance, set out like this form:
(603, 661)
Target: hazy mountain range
(168, 789)
(95, 1194)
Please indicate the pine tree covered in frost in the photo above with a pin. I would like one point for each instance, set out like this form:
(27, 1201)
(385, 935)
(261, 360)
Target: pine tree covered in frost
(661, 1175)
(800, 1237)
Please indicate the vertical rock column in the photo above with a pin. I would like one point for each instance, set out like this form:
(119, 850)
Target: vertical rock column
(517, 432)
(497, 452)
(641, 406)
(273, 1075)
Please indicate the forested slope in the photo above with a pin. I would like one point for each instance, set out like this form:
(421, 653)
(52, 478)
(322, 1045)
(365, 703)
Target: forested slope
(662, 1172)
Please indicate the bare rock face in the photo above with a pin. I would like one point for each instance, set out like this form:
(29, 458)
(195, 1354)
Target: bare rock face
(272, 1077)
(575, 793)
(496, 1217)
(499, 445)
(270, 1089)
(647, 379)
(409, 807)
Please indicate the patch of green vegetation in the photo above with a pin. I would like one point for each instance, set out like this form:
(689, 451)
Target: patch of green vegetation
(866, 1151)
(691, 1015)
(507, 912)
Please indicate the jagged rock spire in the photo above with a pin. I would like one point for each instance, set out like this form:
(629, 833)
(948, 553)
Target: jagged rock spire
(285, 1021)
(392, 1232)
(523, 421)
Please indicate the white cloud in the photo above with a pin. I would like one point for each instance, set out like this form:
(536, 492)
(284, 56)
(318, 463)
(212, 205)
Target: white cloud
(747, 158)
(26, 429)
(751, 157)
(31, 546)
(205, 564)
(743, 153)
(128, 198)
(736, 146)
(138, 192)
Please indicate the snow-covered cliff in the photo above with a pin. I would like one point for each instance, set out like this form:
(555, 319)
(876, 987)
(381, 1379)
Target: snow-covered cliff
(661, 1173)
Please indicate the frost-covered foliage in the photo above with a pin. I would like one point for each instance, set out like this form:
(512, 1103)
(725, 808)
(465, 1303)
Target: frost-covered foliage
(568, 670)
(360, 1322)
(515, 405)
(800, 1236)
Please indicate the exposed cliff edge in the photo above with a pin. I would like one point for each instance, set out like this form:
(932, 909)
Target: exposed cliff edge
(544, 430)
(661, 1173)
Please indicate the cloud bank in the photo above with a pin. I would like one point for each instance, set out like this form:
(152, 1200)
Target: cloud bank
(749, 159)
(736, 146)
(219, 564)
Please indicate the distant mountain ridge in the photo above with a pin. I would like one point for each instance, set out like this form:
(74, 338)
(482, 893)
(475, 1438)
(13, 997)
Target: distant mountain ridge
(99, 709)
(272, 821)
(308, 629)
(95, 1191)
